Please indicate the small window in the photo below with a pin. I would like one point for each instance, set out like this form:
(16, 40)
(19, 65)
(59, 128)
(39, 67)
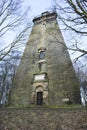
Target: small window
(44, 24)
(42, 55)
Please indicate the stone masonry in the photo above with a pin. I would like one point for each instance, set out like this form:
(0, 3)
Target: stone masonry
(45, 75)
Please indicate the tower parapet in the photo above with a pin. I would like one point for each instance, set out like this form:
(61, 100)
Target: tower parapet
(45, 16)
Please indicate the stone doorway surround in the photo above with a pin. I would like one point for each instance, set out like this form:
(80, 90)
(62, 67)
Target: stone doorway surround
(39, 87)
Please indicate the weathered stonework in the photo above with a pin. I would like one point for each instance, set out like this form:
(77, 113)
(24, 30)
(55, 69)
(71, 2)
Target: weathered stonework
(47, 58)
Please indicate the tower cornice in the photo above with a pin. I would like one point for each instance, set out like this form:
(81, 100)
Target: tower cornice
(45, 16)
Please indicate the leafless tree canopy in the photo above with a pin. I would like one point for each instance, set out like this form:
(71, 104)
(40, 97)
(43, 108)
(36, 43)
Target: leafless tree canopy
(8, 70)
(73, 14)
(12, 18)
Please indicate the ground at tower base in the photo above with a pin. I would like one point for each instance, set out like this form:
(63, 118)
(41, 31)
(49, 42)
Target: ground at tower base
(43, 119)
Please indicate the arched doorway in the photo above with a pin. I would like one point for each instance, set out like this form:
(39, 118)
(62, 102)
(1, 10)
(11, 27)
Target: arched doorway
(39, 98)
(39, 94)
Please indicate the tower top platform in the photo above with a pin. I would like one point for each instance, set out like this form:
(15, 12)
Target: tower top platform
(45, 16)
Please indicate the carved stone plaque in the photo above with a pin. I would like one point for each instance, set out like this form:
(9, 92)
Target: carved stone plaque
(39, 77)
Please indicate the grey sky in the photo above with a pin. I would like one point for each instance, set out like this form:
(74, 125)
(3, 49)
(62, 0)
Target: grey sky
(38, 6)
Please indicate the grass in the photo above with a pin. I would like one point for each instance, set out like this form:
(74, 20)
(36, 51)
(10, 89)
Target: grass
(50, 106)
(66, 106)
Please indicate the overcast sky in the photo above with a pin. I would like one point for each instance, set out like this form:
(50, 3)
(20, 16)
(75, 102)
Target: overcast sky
(38, 6)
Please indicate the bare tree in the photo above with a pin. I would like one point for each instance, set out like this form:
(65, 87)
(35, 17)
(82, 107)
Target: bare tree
(8, 69)
(73, 14)
(13, 18)
(82, 74)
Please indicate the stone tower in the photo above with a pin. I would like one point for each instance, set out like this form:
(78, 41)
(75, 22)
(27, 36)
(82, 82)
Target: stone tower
(45, 75)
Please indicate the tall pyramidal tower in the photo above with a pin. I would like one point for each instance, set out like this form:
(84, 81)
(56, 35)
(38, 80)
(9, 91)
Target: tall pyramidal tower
(45, 75)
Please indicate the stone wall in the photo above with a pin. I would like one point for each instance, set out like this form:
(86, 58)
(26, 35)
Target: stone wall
(43, 119)
(61, 85)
